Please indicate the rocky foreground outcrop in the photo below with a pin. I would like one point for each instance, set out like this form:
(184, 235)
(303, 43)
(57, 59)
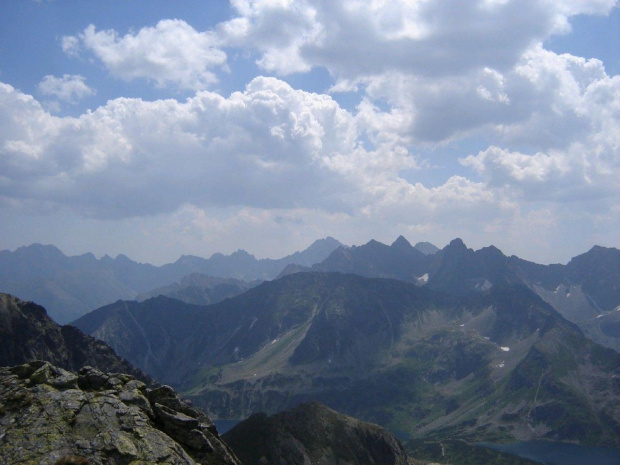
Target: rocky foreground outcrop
(313, 434)
(112, 419)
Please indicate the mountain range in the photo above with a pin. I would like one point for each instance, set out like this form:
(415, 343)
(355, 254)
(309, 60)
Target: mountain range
(585, 291)
(432, 344)
(69, 287)
(494, 365)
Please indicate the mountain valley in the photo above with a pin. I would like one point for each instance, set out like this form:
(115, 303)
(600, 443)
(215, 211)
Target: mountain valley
(495, 366)
(445, 348)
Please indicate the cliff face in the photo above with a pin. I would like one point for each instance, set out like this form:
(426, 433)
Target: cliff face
(112, 419)
(313, 433)
(27, 333)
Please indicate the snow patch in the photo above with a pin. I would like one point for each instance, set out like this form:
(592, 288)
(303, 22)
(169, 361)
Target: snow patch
(501, 365)
(484, 286)
(423, 279)
(505, 349)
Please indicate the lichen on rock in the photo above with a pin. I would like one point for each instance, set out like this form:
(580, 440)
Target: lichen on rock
(47, 412)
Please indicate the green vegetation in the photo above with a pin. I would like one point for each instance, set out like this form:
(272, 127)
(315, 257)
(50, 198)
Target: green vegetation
(457, 452)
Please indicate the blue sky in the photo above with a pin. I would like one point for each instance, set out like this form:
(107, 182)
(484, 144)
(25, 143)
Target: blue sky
(156, 128)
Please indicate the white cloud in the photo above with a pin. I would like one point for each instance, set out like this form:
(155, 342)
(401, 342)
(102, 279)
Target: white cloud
(570, 111)
(269, 147)
(284, 153)
(277, 28)
(68, 88)
(431, 74)
(70, 45)
(355, 39)
(446, 69)
(172, 52)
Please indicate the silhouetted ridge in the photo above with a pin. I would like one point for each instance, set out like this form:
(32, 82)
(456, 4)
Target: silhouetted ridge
(313, 433)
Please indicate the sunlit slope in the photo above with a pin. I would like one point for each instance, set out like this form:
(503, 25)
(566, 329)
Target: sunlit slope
(494, 365)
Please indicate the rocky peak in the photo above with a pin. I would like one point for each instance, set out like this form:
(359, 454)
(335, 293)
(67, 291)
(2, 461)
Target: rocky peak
(456, 245)
(109, 418)
(313, 433)
(401, 243)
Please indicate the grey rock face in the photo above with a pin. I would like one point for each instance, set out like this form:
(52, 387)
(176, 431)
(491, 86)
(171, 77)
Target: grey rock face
(112, 419)
(27, 333)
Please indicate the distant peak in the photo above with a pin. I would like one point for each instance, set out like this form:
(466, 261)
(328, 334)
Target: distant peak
(39, 246)
(457, 243)
(426, 248)
(401, 243)
(49, 251)
(599, 249)
(330, 239)
(373, 244)
(327, 242)
(455, 247)
(492, 250)
(241, 253)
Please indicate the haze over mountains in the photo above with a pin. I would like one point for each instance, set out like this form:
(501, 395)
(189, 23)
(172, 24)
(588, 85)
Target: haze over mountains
(458, 343)
(434, 344)
(585, 291)
(69, 287)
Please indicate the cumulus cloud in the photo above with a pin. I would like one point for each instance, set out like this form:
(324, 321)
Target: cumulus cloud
(355, 39)
(172, 52)
(444, 68)
(546, 102)
(431, 74)
(270, 146)
(569, 111)
(69, 88)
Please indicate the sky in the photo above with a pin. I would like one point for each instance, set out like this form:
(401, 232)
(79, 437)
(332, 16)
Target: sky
(155, 129)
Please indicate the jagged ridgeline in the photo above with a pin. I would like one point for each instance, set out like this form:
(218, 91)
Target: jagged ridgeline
(460, 344)
(494, 365)
(69, 287)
